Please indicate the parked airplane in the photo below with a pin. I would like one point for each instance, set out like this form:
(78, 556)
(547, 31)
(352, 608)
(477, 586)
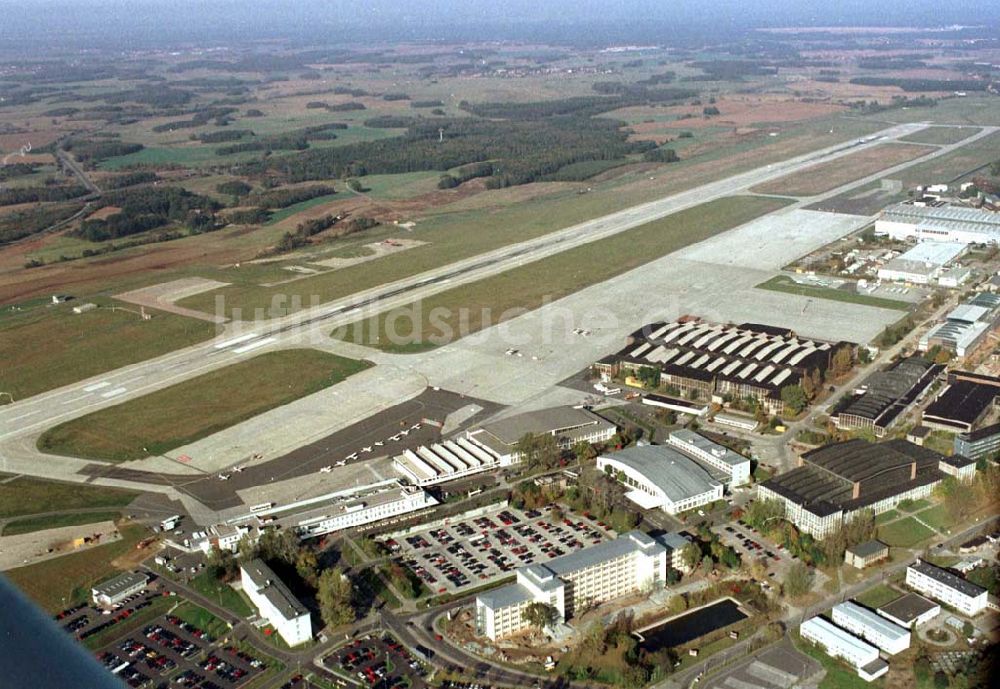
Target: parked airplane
(326, 470)
(223, 477)
(340, 463)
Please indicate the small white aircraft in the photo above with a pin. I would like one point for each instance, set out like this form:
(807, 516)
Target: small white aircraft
(326, 470)
(366, 449)
(379, 443)
(415, 427)
(223, 477)
(404, 432)
(352, 456)
(340, 463)
(394, 437)
(240, 468)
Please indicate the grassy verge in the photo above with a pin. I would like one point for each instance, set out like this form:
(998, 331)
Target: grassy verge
(783, 283)
(912, 506)
(877, 596)
(940, 135)
(886, 517)
(24, 496)
(186, 412)
(46, 348)
(203, 619)
(221, 593)
(904, 533)
(456, 312)
(57, 583)
(54, 521)
(938, 518)
(838, 674)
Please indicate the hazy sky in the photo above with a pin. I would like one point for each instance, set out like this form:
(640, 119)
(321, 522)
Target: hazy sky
(138, 21)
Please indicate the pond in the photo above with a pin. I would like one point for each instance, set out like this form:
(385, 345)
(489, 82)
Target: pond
(691, 625)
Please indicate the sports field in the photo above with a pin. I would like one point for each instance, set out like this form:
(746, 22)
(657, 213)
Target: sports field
(471, 307)
(186, 412)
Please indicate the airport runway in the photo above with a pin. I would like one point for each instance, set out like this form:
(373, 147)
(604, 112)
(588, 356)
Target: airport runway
(22, 422)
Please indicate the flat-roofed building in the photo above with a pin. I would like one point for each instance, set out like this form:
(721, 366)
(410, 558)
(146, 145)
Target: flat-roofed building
(661, 477)
(871, 627)
(276, 603)
(629, 564)
(864, 554)
(833, 483)
(886, 395)
(910, 610)
(923, 223)
(741, 422)
(922, 264)
(963, 403)
(946, 587)
(117, 589)
(978, 444)
(697, 446)
(839, 643)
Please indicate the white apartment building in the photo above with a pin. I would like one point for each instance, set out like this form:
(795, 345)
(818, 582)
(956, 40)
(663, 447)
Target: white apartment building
(871, 627)
(840, 644)
(631, 563)
(948, 588)
(697, 446)
(276, 603)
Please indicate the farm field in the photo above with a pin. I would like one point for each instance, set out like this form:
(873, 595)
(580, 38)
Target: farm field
(80, 346)
(825, 177)
(21, 496)
(180, 414)
(526, 287)
(57, 583)
(783, 283)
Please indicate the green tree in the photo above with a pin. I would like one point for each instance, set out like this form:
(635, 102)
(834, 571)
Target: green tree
(691, 555)
(649, 376)
(798, 580)
(794, 398)
(307, 566)
(540, 615)
(538, 450)
(584, 451)
(334, 594)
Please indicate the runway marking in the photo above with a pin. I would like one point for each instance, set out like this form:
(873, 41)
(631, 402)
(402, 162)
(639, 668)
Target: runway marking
(15, 418)
(254, 345)
(96, 386)
(76, 399)
(234, 340)
(113, 393)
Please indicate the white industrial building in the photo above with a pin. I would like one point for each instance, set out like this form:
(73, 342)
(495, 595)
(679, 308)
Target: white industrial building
(871, 627)
(966, 326)
(923, 264)
(948, 588)
(495, 444)
(276, 603)
(117, 589)
(908, 222)
(697, 446)
(662, 477)
(841, 644)
(631, 563)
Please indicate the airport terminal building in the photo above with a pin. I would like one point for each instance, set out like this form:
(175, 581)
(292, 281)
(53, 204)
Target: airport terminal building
(631, 563)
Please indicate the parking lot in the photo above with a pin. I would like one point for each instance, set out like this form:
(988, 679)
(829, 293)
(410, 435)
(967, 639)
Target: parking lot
(166, 651)
(378, 661)
(752, 546)
(472, 552)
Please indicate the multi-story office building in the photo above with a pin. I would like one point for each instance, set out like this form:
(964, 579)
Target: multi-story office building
(948, 588)
(631, 563)
(871, 627)
(841, 644)
(696, 446)
(978, 444)
(276, 603)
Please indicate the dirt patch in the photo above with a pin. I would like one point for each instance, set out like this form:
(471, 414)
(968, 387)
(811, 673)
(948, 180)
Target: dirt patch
(825, 177)
(163, 296)
(102, 213)
(378, 249)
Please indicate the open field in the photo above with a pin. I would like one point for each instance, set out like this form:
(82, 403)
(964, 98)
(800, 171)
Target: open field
(25, 496)
(80, 346)
(827, 176)
(938, 518)
(472, 307)
(180, 414)
(941, 135)
(54, 521)
(904, 533)
(886, 517)
(57, 583)
(221, 593)
(202, 619)
(783, 283)
(912, 506)
(877, 596)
